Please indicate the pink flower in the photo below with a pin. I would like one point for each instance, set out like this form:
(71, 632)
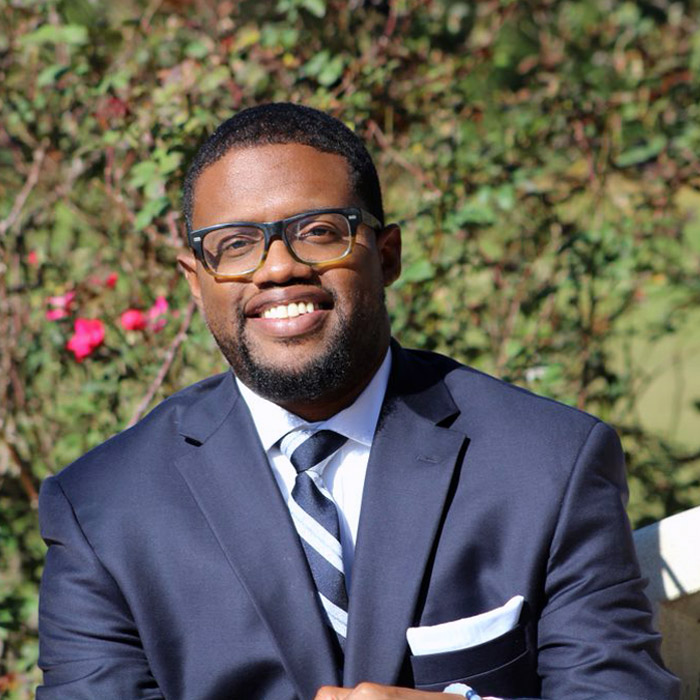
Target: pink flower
(60, 306)
(154, 318)
(61, 302)
(159, 308)
(133, 320)
(88, 334)
(33, 258)
(56, 314)
(157, 313)
(111, 280)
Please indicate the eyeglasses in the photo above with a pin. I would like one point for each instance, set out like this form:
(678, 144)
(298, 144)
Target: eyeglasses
(318, 238)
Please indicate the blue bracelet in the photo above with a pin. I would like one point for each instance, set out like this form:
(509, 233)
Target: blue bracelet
(464, 690)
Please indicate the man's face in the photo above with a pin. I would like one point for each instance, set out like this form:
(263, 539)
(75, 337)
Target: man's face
(317, 362)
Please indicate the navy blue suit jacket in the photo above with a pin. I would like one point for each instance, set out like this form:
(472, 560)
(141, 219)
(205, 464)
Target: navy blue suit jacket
(174, 569)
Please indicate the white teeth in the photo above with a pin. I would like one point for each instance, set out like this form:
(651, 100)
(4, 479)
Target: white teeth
(289, 310)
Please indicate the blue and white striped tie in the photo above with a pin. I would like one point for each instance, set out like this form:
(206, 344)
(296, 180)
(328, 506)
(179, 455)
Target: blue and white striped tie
(316, 520)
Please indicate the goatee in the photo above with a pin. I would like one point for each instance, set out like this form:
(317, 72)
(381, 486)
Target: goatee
(350, 350)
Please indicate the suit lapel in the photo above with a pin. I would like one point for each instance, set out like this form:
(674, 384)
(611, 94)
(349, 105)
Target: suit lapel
(233, 485)
(408, 483)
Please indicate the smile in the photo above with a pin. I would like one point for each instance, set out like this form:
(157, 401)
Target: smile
(291, 310)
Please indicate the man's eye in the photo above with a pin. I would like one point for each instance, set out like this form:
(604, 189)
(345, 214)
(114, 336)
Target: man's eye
(319, 233)
(239, 243)
(236, 245)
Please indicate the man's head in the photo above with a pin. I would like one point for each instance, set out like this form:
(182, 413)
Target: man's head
(306, 336)
(284, 123)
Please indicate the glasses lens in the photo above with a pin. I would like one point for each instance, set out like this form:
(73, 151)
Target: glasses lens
(233, 250)
(320, 237)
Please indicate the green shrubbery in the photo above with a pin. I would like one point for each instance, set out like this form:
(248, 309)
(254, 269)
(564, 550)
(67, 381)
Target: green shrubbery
(543, 158)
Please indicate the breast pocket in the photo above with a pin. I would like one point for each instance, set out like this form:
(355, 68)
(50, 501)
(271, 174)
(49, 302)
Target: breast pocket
(502, 666)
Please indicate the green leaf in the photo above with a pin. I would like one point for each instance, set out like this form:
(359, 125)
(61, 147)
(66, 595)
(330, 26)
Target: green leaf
(63, 230)
(198, 49)
(325, 68)
(150, 210)
(70, 34)
(143, 173)
(168, 161)
(640, 154)
(82, 12)
(475, 213)
(315, 7)
(215, 79)
(331, 72)
(51, 74)
(419, 271)
(111, 138)
(246, 37)
(317, 63)
(114, 80)
(252, 75)
(280, 36)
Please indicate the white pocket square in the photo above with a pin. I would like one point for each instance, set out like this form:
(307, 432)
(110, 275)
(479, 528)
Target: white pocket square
(465, 633)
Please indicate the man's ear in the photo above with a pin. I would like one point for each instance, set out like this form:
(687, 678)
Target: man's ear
(188, 265)
(389, 246)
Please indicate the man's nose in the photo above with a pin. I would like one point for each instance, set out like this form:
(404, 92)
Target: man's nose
(280, 266)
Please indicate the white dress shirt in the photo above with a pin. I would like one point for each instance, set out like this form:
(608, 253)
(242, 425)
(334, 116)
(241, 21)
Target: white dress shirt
(344, 475)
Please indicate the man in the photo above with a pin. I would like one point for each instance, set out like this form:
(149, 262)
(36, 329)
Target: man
(460, 534)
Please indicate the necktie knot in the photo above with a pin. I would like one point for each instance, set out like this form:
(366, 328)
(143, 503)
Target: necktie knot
(313, 450)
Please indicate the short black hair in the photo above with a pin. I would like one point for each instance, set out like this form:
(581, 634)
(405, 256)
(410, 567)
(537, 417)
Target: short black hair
(284, 123)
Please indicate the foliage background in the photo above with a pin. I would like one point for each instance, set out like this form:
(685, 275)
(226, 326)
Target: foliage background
(541, 155)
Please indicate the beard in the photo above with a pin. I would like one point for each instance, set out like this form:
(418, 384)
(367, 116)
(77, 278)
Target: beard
(353, 347)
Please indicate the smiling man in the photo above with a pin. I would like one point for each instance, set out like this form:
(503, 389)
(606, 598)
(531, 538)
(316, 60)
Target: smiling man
(306, 335)
(337, 517)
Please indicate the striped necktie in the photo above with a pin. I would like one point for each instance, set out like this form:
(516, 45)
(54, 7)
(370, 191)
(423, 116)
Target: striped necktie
(316, 520)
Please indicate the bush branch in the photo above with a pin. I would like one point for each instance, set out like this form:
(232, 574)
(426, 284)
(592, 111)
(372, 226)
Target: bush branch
(165, 366)
(25, 473)
(26, 190)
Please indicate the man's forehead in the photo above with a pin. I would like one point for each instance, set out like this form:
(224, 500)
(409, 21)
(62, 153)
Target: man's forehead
(281, 154)
(271, 181)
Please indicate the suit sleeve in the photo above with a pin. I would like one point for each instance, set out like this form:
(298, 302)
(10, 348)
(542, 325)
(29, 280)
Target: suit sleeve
(595, 636)
(89, 645)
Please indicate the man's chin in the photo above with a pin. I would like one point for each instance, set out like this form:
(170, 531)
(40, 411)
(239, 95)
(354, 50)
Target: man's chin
(285, 386)
(293, 357)
(294, 373)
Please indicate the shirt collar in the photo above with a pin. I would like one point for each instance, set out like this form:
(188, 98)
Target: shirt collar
(357, 422)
